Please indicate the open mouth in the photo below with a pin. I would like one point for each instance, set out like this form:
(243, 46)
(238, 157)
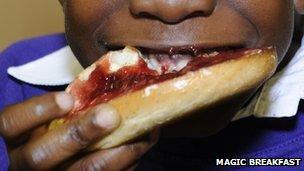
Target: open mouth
(176, 59)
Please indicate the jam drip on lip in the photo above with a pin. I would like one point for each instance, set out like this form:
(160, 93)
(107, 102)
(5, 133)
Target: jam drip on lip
(103, 86)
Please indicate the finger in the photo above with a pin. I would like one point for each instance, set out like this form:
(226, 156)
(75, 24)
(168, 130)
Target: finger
(28, 136)
(132, 168)
(60, 144)
(119, 158)
(19, 118)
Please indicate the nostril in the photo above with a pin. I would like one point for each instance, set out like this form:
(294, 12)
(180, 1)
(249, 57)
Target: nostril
(147, 15)
(168, 20)
(197, 14)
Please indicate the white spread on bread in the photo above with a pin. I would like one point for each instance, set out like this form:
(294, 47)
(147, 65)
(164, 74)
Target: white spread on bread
(149, 89)
(85, 75)
(206, 72)
(180, 84)
(126, 57)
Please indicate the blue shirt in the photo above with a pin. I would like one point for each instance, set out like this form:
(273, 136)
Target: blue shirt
(247, 138)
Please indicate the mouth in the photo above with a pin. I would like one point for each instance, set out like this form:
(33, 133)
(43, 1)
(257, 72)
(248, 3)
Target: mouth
(173, 59)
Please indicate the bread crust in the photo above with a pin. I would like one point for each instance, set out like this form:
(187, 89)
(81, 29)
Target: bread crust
(143, 110)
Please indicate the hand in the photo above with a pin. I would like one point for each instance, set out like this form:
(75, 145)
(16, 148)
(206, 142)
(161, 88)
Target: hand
(32, 147)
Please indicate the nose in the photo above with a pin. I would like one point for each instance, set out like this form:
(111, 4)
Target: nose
(172, 11)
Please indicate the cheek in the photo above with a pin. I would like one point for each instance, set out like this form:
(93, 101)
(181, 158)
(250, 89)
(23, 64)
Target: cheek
(273, 20)
(82, 19)
(84, 13)
(88, 13)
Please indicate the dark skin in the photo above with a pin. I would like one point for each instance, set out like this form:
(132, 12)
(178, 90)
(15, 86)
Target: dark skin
(94, 27)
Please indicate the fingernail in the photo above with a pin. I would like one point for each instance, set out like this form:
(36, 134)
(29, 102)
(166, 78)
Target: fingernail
(107, 117)
(64, 101)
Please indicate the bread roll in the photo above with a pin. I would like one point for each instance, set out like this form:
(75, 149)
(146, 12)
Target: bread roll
(163, 102)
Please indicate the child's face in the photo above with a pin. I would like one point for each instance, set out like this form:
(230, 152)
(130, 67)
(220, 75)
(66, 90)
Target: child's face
(95, 26)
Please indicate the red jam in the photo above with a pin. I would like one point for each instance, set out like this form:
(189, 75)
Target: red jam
(102, 86)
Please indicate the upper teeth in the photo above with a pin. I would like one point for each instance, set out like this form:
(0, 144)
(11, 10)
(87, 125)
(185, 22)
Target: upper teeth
(179, 65)
(212, 54)
(154, 64)
(165, 64)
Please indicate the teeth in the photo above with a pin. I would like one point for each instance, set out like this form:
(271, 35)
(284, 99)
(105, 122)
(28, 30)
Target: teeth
(154, 64)
(167, 64)
(182, 64)
(212, 54)
(179, 56)
(164, 63)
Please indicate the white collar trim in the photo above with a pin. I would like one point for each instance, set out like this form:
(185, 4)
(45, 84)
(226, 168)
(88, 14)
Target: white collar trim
(57, 68)
(279, 97)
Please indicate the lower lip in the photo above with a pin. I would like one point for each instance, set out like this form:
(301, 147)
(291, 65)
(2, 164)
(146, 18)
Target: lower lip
(103, 86)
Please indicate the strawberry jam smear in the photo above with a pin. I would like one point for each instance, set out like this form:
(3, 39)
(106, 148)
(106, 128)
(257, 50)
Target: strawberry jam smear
(103, 86)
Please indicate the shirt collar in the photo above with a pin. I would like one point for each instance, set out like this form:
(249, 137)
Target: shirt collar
(279, 97)
(55, 69)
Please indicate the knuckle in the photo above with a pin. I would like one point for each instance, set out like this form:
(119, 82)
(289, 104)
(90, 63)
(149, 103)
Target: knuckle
(35, 159)
(5, 125)
(46, 106)
(77, 135)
